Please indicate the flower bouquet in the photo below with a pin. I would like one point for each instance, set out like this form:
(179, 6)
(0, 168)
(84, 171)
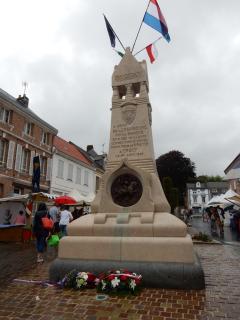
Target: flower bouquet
(119, 281)
(78, 280)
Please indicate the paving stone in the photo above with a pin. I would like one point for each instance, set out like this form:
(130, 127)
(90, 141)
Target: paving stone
(220, 300)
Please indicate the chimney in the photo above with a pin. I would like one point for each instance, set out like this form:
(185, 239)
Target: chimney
(23, 100)
(89, 147)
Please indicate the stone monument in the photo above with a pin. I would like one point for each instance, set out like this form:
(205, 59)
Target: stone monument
(130, 225)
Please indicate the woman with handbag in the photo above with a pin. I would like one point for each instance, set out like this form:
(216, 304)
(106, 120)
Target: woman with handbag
(41, 229)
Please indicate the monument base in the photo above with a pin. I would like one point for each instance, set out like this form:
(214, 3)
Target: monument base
(168, 275)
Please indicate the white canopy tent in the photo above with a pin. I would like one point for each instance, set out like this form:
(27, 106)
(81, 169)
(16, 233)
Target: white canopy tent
(222, 200)
(80, 198)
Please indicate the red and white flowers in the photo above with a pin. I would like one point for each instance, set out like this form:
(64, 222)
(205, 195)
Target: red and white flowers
(119, 281)
(115, 281)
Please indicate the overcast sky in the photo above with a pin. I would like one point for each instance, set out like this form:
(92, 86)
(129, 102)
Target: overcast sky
(61, 48)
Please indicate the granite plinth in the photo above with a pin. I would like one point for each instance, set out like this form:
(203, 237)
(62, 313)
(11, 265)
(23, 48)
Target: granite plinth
(169, 275)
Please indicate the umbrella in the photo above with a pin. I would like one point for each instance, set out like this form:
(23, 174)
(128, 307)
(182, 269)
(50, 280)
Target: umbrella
(65, 200)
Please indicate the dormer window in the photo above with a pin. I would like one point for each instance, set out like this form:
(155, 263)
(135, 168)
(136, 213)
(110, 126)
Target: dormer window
(28, 128)
(5, 115)
(45, 137)
(198, 185)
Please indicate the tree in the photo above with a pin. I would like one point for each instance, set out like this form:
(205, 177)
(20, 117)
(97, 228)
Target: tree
(171, 193)
(205, 178)
(179, 168)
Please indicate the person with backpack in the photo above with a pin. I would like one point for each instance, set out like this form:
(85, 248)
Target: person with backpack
(42, 225)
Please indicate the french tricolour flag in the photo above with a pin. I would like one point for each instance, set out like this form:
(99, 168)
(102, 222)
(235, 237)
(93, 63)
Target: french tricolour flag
(153, 18)
(152, 52)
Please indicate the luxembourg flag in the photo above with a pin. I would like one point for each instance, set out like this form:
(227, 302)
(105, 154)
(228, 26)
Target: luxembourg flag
(153, 18)
(152, 52)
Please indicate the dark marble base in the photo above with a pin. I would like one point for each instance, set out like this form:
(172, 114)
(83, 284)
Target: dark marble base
(155, 274)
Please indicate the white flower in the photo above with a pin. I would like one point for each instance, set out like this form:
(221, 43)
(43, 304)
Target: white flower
(132, 284)
(80, 282)
(115, 282)
(118, 271)
(103, 284)
(83, 275)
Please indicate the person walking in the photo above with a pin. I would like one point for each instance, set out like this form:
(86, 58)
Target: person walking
(39, 231)
(55, 216)
(65, 218)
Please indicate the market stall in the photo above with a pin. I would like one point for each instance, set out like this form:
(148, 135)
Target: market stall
(9, 208)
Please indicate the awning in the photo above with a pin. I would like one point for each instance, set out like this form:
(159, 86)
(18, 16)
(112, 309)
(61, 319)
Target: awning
(80, 198)
(39, 196)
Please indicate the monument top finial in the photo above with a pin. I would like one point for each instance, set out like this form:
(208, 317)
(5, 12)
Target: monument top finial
(129, 70)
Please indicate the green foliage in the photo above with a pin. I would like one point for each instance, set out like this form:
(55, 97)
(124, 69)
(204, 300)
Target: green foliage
(179, 168)
(205, 178)
(171, 193)
(174, 199)
(202, 237)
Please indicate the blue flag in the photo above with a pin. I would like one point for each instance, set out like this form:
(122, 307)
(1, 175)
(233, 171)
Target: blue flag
(111, 33)
(36, 174)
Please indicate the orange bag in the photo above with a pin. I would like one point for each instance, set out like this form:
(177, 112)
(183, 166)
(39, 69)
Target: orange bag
(47, 223)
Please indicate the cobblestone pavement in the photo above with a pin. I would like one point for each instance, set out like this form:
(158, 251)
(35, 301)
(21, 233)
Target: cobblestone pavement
(220, 300)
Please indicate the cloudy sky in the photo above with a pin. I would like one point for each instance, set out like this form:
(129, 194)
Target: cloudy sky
(61, 48)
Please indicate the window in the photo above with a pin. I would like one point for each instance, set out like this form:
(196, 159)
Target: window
(25, 160)
(5, 115)
(86, 178)
(78, 177)
(1, 190)
(43, 166)
(60, 169)
(28, 129)
(45, 137)
(17, 190)
(97, 183)
(194, 198)
(3, 152)
(203, 199)
(70, 172)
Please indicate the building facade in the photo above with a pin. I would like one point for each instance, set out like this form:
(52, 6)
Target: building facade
(23, 135)
(232, 174)
(71, 170)
(98, 162)
(199, 194)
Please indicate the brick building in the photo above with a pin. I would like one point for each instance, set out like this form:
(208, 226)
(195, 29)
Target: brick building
(22, 136)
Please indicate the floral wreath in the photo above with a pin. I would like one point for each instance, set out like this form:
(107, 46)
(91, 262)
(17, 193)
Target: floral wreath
(114, 281)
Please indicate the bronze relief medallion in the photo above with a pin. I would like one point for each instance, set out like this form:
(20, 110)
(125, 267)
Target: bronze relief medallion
(126, 190)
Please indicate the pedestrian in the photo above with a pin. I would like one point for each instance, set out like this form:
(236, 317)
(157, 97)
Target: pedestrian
(55, 216)
(65, 218)
(77, 213)
(205, 216)
(213, 220)
(220, 219)
(20, 218)
(39, 231)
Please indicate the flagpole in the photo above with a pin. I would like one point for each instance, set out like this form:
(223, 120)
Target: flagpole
(140, 27)
(119, 41)
(117, 37)
(145, 47)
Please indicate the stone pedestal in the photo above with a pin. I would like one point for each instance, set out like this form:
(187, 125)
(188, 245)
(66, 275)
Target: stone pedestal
(131, 226)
